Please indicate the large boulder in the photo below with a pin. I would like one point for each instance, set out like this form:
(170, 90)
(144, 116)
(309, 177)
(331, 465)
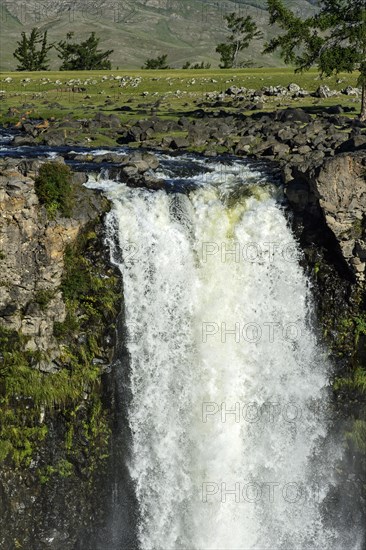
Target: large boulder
(179, 142)
(55, 137)
(323, 92)
(102, 120)
(350, 90)
(135, 168)
(198, 135)
(21, 141)
(289, 115)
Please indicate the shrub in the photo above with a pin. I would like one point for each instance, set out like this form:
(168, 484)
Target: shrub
(54, 189)
(43, 297)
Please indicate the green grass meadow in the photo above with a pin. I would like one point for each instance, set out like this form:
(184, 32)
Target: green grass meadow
(168, 93)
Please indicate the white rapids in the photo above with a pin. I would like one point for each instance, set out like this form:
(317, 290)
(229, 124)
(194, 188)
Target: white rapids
(229, 385)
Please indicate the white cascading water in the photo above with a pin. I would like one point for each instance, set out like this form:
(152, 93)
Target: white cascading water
(229, 385)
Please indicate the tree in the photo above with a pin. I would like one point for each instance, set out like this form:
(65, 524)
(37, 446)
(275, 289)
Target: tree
(201, 65)
(334, 39)
(242, 31)
(30, 56)
(83, 56)
(159, 62)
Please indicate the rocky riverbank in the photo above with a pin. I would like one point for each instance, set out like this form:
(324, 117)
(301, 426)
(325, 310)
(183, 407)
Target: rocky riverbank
(310, 150)
(309, 146)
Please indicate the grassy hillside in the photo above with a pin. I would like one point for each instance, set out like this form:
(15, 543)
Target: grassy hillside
(187, 30)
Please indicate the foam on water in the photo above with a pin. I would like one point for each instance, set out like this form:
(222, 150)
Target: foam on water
(229, 385)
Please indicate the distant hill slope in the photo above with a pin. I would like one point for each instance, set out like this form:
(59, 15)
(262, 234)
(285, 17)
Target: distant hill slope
(187, 30)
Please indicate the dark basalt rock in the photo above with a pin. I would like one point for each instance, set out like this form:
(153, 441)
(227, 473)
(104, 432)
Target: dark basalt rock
(353, 144)
(54, 137)
(137, 170)
(101, 120)
(334, 192)
(289, 115)
(20, 141)
(179, 143)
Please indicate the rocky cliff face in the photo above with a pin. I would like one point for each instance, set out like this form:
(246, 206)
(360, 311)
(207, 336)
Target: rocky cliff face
(32, 263)
(333, 194)
(32, 256)
(328, 203)
(59, 299)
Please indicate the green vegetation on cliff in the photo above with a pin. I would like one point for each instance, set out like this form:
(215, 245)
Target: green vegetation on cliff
(54, 189)
(30, 398)
(345, 336)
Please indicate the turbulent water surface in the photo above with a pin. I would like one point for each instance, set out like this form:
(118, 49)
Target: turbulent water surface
(229, 387)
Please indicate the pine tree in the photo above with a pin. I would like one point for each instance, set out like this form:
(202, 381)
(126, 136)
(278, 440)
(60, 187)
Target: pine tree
(42, 54)
(30, 57)
(83, 56)
(159, 62)
(334, 39)
(242, 31)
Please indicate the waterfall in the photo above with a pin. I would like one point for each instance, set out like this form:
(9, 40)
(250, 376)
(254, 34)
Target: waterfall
(230, 388)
